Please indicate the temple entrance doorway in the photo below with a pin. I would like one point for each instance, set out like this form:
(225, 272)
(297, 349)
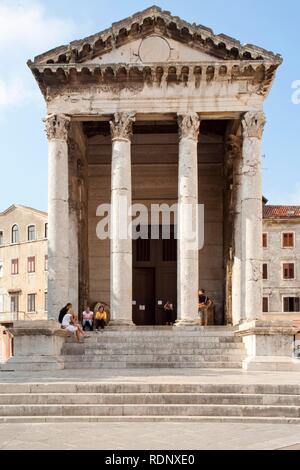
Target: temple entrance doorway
(154, 280)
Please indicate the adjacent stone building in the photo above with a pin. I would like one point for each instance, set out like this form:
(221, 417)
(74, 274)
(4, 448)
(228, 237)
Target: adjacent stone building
(23, 264)
(281, 268)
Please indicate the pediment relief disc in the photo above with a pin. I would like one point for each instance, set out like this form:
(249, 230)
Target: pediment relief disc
(154, 49)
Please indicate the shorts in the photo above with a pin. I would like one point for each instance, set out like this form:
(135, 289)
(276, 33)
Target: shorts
(71, 328)
(203, 315)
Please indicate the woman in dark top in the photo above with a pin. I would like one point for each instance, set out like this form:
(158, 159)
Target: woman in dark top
(168, 308)
(204, 304)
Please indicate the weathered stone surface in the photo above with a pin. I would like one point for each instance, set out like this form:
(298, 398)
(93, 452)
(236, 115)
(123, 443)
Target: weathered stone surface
(188, 249)
(269, 345)
(37, 346)
(121, 243)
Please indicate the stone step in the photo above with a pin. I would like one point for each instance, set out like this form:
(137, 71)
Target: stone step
(140, 338)
(79, 364)
(147, 419)
(149, 399)
(156, 343)
(167, 332)
(147, 388)
(109, 349)
(165, 358)
(103, 353)
(151, 410)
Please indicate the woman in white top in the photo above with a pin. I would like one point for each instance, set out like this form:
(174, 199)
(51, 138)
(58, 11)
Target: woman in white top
(69, 324)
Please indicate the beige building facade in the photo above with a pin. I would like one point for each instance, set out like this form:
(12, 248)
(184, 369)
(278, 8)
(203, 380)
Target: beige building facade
(281, 269)
(155, 110)
(23, 264)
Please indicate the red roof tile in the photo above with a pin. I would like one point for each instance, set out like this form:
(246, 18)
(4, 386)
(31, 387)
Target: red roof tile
(278, 212)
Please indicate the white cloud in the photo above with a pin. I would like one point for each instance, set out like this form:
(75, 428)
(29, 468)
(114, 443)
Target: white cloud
(26, 30)
(26, 22)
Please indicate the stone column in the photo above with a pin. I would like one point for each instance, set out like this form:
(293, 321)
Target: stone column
(187, 231)
(57, 127)
(74, 207)
(121, 241)
(234, 149)
(251, 217)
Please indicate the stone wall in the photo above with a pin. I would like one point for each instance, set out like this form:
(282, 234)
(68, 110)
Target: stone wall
(155, 180)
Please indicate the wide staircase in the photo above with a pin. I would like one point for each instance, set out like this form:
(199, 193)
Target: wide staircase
(157, 388)
(156, 347)
(148, 402)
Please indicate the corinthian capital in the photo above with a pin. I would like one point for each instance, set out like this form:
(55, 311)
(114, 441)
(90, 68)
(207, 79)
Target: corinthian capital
(189, 125)
(253, 124)
(121, 126)
(57, 126)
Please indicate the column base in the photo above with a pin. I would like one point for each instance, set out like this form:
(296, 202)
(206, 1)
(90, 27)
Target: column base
(187, 322)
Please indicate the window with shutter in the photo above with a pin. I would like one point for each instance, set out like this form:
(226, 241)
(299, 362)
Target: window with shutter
(288, 240)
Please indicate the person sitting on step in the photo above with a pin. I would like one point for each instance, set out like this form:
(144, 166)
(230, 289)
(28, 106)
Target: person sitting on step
(70, 324)
(64, 311)
(101, 318)
(87, 319)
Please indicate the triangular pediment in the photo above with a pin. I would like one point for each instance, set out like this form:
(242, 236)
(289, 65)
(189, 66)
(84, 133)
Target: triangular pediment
(153, 49)
(154, 35)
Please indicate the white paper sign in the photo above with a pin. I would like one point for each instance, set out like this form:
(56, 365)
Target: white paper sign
(142, 307)
(160, 302)
(134, 302)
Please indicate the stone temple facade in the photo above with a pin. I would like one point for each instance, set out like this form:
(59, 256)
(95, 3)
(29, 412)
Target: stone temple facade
(155, 110)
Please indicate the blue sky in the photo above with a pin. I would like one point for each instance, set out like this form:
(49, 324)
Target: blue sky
(30, 27)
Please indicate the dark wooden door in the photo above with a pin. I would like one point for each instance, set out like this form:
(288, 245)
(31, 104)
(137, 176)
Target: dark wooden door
(166, 290)
(143, 296)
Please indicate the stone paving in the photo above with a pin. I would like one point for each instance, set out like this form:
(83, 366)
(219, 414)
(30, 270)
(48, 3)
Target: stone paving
(149, 436)
(212, 376)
